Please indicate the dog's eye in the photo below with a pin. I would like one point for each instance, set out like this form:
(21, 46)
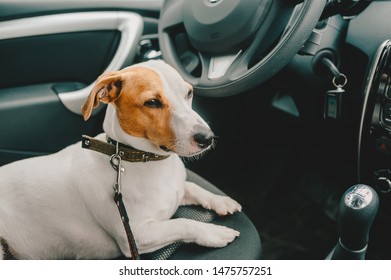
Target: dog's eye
(153, 103)
(190, 94)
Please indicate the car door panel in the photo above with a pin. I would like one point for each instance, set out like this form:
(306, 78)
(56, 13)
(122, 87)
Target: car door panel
(11, 9)
(34, 122)
(40, 99)
(30, 60)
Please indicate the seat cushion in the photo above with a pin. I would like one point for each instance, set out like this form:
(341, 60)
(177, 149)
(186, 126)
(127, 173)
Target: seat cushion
(245, 247)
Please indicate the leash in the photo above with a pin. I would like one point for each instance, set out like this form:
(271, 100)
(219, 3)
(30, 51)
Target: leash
(125, 221)
(115, 161)
(117, 153)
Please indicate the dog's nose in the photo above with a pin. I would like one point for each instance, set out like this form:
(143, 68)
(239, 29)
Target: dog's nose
(204, 139)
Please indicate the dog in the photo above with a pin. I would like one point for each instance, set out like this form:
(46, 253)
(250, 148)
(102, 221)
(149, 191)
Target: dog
(60, 206)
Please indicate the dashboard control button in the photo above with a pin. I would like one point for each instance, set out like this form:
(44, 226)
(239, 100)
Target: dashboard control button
(387, 113)
(383, 146)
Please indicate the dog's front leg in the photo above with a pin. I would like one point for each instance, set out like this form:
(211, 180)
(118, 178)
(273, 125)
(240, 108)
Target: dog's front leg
(222, 205)
(156, 235)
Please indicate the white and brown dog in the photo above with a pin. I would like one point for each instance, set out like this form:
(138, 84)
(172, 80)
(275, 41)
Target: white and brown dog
(60, 206)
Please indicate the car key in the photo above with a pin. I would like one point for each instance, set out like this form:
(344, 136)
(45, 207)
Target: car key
(333, 99)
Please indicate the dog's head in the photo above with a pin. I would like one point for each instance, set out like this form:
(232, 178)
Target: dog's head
(150, 101)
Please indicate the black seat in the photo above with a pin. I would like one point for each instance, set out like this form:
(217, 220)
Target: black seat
(245, 247)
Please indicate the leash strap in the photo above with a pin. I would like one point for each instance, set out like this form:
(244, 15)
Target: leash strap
(125, 220)
(115, 161)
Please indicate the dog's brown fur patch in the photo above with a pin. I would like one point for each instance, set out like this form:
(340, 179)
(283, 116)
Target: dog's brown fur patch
(139, 86)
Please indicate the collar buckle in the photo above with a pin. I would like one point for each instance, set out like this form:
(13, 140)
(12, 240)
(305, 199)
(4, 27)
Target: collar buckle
(145, 157)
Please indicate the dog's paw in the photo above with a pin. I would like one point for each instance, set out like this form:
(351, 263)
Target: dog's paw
(223, 205)
(216, 236)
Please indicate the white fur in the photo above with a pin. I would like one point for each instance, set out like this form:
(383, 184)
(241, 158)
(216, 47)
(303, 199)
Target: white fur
(61, 206)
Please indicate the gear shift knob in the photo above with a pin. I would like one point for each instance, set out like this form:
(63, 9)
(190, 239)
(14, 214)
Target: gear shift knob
(357, 210)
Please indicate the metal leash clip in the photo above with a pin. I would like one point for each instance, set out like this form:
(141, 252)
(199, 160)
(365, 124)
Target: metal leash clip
(115, 161)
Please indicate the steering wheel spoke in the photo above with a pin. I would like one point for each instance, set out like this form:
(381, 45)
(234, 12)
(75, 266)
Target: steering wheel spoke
(222, 69)
(219, 64)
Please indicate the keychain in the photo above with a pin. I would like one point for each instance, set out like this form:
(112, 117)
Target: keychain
(333, 99)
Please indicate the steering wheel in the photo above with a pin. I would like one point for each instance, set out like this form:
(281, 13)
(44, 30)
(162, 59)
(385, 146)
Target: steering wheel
(224, 47)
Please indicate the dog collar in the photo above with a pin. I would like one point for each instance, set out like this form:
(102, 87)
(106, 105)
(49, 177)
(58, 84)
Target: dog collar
(127, 153)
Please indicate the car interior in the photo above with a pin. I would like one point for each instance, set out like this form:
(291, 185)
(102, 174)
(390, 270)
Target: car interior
(297, 92)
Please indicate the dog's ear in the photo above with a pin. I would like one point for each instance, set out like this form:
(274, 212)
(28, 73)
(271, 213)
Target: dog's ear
(106, 89)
